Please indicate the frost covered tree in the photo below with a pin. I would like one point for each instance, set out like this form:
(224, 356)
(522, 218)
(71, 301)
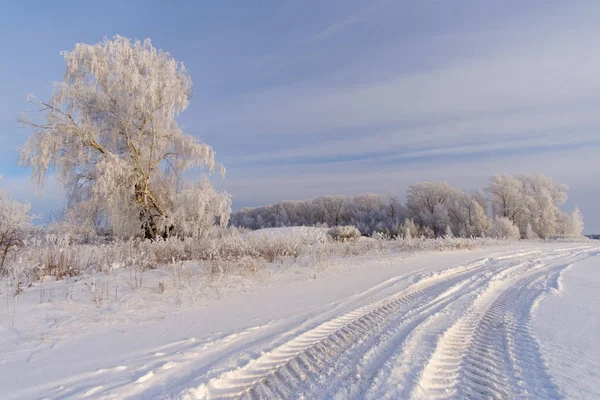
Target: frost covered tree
(367, 211)
(110, 135)
(529, 233)
(334, 209)
(528, 200)
(409, 229)
(572, 224)
(198, 207)
(468, 217)
(427, 202)
(506, 196)
(437, 205)
(15, 224)
(478, 221)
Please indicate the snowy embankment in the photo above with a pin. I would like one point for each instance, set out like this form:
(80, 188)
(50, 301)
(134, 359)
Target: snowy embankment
(480, 323)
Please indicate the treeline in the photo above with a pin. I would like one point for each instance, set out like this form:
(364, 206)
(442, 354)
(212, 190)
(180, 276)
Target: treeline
(526, 206)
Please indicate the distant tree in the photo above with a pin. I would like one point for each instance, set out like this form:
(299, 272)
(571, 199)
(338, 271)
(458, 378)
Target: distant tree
(479, 197)
(334, 207)
(109, 133)
(366, 211)
(470, 218)
(528, 200)
(429, 203)
(572, 224)
(409, 229)
(542, 198)
(289, 213)
(506, 196)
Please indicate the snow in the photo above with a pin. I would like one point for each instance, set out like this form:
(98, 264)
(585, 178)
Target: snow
(567, 323)
(305, 234)
(496, 322)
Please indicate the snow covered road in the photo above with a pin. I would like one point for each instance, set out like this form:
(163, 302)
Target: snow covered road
(426, 332)
(461, 333)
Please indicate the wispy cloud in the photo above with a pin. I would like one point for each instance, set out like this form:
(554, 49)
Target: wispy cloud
(465, 136)
(559, 73)
(345, 22)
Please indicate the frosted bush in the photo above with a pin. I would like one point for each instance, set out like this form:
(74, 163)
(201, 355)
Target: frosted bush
(15, 226)
(242, 266)
(380, 236)
(236, 246)
(344, 233)
(504, 228)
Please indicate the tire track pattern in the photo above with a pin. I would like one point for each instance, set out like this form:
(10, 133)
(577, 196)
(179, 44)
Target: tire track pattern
(491, 352)
(306, 356)
(488, 353)
(283, 374)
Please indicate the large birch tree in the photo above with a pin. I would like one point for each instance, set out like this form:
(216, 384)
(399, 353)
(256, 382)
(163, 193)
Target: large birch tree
(110, 135)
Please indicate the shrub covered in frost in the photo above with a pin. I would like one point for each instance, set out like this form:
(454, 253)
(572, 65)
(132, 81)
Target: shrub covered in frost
(504, 228)
(344, 233)
(15, 226)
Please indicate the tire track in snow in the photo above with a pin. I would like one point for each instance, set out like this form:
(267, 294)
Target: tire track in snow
(338, 374)
(303, 352)
(491, 352)
(405, 358)
(308, 361)
(180, 362)
(311, 356)
(409, 347)
(370, 360)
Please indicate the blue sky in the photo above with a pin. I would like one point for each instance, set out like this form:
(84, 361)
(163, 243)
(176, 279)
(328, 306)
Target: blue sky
(306, 98)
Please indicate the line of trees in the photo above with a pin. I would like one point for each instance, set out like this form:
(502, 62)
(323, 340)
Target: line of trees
(526, 206)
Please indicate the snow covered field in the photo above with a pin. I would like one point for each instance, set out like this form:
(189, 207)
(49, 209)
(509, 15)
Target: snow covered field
(497, 322)
(568, 328)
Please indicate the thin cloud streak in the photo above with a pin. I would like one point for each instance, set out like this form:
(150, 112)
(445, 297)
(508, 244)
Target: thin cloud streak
(520, 131)
(552, 71)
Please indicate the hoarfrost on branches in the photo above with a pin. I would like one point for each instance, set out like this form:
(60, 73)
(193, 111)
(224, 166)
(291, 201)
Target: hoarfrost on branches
(531, 202)
(198, 207)
(572, 224)
(110, 135)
